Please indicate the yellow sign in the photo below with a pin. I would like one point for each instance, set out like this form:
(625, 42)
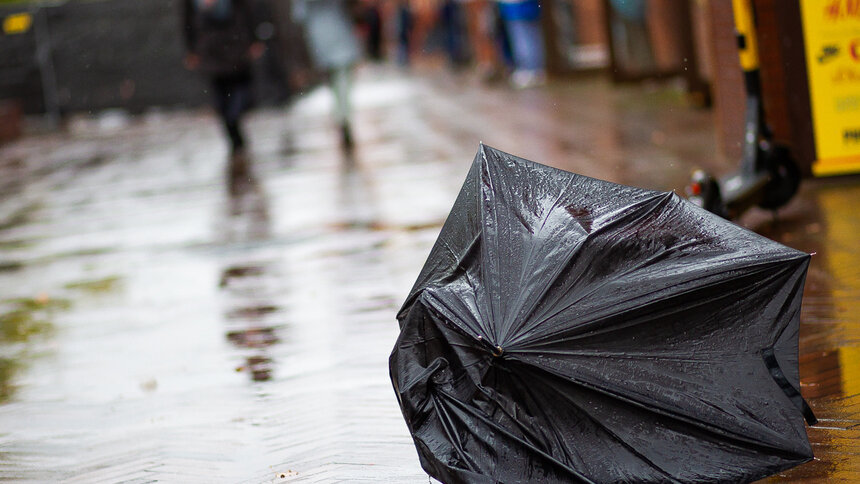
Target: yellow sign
(831, 30)
(18, 23)
(745, 27)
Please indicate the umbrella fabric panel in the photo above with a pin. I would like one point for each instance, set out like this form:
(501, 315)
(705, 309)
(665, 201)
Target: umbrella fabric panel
(570, 329)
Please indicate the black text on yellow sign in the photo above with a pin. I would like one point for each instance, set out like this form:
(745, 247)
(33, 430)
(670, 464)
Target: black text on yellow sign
(831, 30)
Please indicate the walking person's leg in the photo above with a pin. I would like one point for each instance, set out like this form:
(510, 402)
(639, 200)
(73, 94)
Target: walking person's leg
(220, 96)
(479, 24)
(340, 82)
(404, 32)
(228, 97)
(238, 89)
(528, 52)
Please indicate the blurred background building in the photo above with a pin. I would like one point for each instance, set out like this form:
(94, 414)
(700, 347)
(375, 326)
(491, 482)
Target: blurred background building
(88, 56)
(71, 56)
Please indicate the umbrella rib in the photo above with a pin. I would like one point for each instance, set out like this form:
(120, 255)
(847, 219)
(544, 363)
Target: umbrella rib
(436, 307)
(797, 286)
(508, 434)
(448, 426)
(530, 255)
(613, 354)
(489, 182)
(516, 420)
(527, 387)
(481, 316)
(461, 266)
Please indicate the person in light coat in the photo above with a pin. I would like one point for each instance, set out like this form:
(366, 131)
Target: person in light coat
(522, 21)
(334, 49)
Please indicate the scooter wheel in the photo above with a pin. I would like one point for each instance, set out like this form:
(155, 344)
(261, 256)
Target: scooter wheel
(784, 178)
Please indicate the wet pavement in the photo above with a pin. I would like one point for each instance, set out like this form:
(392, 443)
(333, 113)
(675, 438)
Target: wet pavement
(168, 317)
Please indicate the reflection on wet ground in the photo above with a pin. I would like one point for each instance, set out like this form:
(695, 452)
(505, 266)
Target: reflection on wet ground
(21, 321)
(244, 286)
(825, 221)
(169, 315)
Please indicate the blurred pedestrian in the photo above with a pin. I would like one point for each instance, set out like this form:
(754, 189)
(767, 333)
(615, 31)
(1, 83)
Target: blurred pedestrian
(334, 50)
(404, 22)
(425, 15)
(221, 43)
(522, 21)
(453, 25)
(480, 26)
(369, 20)
(631, 40)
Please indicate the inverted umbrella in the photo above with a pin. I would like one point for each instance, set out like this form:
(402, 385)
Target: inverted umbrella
(568, 329)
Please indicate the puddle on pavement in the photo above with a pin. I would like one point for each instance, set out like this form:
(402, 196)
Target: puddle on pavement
(8, 369)
(96, 286)
(255, 337)
(251, 312)
(374, 304)
(248, 327)
(15, 244)
(11, 266)
(245, 285)
(824, 221)
(22, 320)
(239, 273)
(20, 216)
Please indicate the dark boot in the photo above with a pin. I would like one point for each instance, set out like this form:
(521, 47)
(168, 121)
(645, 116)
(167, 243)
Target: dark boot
(237, 141)
(346, 137)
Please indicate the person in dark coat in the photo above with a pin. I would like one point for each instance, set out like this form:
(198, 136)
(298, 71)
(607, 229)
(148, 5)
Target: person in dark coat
(221, 43)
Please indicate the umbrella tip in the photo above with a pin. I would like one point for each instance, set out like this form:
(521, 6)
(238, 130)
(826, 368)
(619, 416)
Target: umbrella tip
(498, 351)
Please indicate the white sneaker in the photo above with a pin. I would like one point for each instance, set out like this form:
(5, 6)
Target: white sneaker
(524, 78)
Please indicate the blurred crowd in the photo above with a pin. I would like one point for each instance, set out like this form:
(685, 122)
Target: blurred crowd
(246, 53)
(224, 39)
(497, 40)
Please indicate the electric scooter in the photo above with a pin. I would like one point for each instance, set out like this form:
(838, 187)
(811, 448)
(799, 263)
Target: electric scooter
(768, 175)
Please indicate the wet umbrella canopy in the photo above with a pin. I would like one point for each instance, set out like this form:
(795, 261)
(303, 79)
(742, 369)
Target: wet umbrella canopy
(567, 329)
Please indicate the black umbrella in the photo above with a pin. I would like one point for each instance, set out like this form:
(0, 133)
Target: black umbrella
(570, 329)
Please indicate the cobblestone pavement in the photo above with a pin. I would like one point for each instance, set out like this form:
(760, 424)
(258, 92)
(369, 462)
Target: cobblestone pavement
(166, 319)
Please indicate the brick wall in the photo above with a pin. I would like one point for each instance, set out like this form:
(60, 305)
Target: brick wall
(728, 83)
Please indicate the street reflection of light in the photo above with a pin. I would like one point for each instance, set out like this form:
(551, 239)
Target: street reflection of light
(838, 208)
(849, 360)
(839, 211)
